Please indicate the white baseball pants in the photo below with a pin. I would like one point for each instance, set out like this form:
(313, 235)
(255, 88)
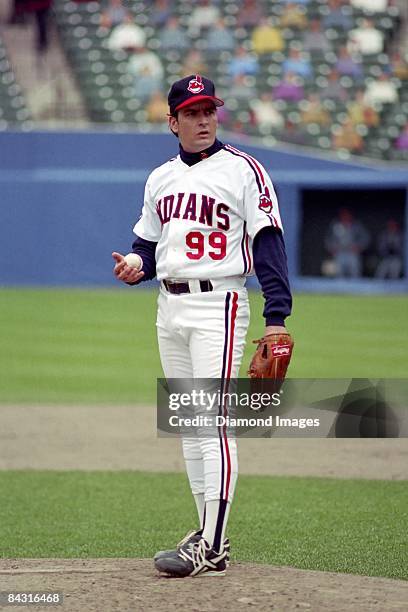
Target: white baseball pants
(202, 335)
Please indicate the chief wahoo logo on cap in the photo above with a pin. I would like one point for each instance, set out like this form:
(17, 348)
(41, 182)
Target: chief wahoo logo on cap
(195, 85)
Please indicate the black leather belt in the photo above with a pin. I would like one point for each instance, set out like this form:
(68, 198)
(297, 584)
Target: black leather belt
(178, 288)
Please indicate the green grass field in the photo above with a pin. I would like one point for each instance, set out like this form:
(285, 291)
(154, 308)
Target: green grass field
(99, 346)
(348, 526)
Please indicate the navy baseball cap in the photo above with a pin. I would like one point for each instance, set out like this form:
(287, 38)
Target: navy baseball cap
(190, 90)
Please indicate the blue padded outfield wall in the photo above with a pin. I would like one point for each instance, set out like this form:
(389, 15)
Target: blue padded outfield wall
(69, 199)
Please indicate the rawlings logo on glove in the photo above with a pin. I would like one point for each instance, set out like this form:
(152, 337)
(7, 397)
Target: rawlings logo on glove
(284, 349)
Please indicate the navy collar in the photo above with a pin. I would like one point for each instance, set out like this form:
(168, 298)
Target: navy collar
(193, 158)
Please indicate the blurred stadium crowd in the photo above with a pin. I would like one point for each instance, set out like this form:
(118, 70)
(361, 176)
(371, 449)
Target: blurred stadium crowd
(331, 74)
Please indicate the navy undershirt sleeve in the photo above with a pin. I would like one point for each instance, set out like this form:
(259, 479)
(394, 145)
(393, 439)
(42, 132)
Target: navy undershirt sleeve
(147, 251)
(272, 272)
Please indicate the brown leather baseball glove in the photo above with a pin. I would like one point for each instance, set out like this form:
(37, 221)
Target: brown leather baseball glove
(272, 357)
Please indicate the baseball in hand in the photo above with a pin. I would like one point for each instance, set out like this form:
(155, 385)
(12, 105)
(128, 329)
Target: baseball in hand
(134, 260)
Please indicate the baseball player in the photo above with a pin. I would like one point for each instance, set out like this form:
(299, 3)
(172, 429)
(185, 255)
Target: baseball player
(210, 219)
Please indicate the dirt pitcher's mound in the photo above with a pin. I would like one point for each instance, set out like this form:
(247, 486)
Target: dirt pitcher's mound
(132, 585)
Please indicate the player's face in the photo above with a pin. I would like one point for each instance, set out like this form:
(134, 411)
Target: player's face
(196, 126)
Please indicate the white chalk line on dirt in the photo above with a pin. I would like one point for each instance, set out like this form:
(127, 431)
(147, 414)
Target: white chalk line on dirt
(59, 570)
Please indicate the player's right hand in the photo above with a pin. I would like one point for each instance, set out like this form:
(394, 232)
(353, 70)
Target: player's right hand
(124, 272)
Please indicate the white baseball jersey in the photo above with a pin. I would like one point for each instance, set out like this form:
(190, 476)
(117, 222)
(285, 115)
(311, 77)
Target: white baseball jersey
(204, 217)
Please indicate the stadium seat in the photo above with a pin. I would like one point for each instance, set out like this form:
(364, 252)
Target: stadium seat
(13, 109)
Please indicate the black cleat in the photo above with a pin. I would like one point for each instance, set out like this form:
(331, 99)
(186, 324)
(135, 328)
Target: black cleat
(194, 559)
(190, 538)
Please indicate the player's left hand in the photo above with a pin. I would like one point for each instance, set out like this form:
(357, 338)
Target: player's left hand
(275, 329)
(124, 272)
